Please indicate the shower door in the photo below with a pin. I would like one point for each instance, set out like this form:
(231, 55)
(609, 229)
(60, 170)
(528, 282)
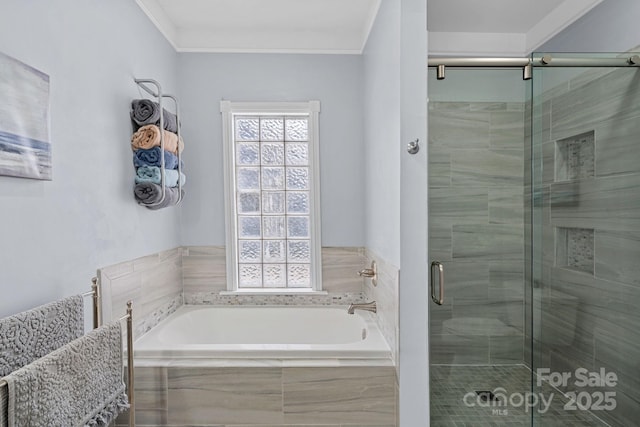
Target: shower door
(583, 307)
(477, 235)
(534, 227)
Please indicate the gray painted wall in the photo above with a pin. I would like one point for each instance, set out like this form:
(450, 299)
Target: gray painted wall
(335, 80)
(612, 26)
(56, 234)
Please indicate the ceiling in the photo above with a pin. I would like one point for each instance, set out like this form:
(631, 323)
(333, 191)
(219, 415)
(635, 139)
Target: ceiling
(498, 27)
(291, 26)
(456, 27)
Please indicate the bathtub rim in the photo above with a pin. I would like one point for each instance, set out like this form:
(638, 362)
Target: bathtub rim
(376, 353)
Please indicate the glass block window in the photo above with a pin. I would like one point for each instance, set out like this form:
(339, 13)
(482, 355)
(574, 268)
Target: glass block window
(273, 187)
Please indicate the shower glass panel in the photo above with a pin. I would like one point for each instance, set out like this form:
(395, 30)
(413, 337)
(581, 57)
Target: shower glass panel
(477, 182)
(582, 310)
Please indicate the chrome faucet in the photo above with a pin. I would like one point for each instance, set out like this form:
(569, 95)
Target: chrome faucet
(367, 306)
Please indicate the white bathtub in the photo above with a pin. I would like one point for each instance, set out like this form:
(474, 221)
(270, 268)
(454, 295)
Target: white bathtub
(257, 333)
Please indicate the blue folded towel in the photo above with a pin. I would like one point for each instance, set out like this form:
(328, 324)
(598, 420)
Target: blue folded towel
(151, 157)
(152, 174)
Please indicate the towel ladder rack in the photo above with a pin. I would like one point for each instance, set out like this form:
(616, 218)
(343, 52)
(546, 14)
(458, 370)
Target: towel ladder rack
(95, 292)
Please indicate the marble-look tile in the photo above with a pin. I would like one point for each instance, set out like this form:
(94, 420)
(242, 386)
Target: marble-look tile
(340, 266)
(204, 269)
(481, 168)
(500, 317)
(506, 204)
(506, 280)
(603, 99)
(449, 106)
(616, 256)
(506, 350)
(440, 242)
(488, 242)
(438, 314)
(616, 147)
(153, 283)
(343, 395)
(507, 130)
(459, 129)
(602, 304)
(466, 279)
(386, 295)
(459, 349)
(225, 395)
(439, 167)
(151, 396)
(458, 205)
(620, 354)
(611, 203)
(117, 270)
(488, 106)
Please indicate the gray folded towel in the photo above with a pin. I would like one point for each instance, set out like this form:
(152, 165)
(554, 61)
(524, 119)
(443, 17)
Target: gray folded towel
(148, 193)
(29, 335)
(80, 384)
(146, 112)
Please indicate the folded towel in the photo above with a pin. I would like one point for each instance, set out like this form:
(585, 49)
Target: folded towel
(29, 335)
(153, 174)
(146, 112)
(151, 157)
(148, 193)
(80, 384)
(149, 136)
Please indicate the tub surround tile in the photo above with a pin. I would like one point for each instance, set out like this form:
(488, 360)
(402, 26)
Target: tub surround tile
(339, 269)
(226, 395)
(263, 397)
(153, 283)
(349, 395)
(204, 268)
(386, 295)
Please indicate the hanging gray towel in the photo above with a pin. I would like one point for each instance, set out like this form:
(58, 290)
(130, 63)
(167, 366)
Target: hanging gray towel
(32, 334)
(79, 384)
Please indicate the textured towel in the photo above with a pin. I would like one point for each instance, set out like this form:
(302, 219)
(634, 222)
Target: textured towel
(146, 112)
(152, 156)
(149, 136)
(32, 334)
(152, 174)
(147, 193)
(80, 384)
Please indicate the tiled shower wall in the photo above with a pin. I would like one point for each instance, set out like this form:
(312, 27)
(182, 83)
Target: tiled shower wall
(476, 229)
(587, 224)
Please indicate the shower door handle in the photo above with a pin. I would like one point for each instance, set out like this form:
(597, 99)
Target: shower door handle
(437, 265)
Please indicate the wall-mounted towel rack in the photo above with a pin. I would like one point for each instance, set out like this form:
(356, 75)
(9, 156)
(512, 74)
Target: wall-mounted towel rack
(156, 92)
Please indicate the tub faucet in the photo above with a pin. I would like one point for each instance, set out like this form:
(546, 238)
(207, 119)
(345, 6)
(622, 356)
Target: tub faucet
(367, 306)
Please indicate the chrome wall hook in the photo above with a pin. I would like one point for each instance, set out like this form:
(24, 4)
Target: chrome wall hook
(413, 147)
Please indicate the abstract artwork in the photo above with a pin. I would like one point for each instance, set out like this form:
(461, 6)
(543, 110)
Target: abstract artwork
(25, 146)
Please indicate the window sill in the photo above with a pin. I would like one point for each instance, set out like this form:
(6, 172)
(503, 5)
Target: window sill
(274, 292)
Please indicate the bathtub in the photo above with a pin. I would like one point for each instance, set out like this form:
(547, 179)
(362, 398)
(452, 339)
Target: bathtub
(251, 335)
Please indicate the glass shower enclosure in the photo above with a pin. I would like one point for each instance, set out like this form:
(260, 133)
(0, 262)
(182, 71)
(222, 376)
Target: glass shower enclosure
(534, 225)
